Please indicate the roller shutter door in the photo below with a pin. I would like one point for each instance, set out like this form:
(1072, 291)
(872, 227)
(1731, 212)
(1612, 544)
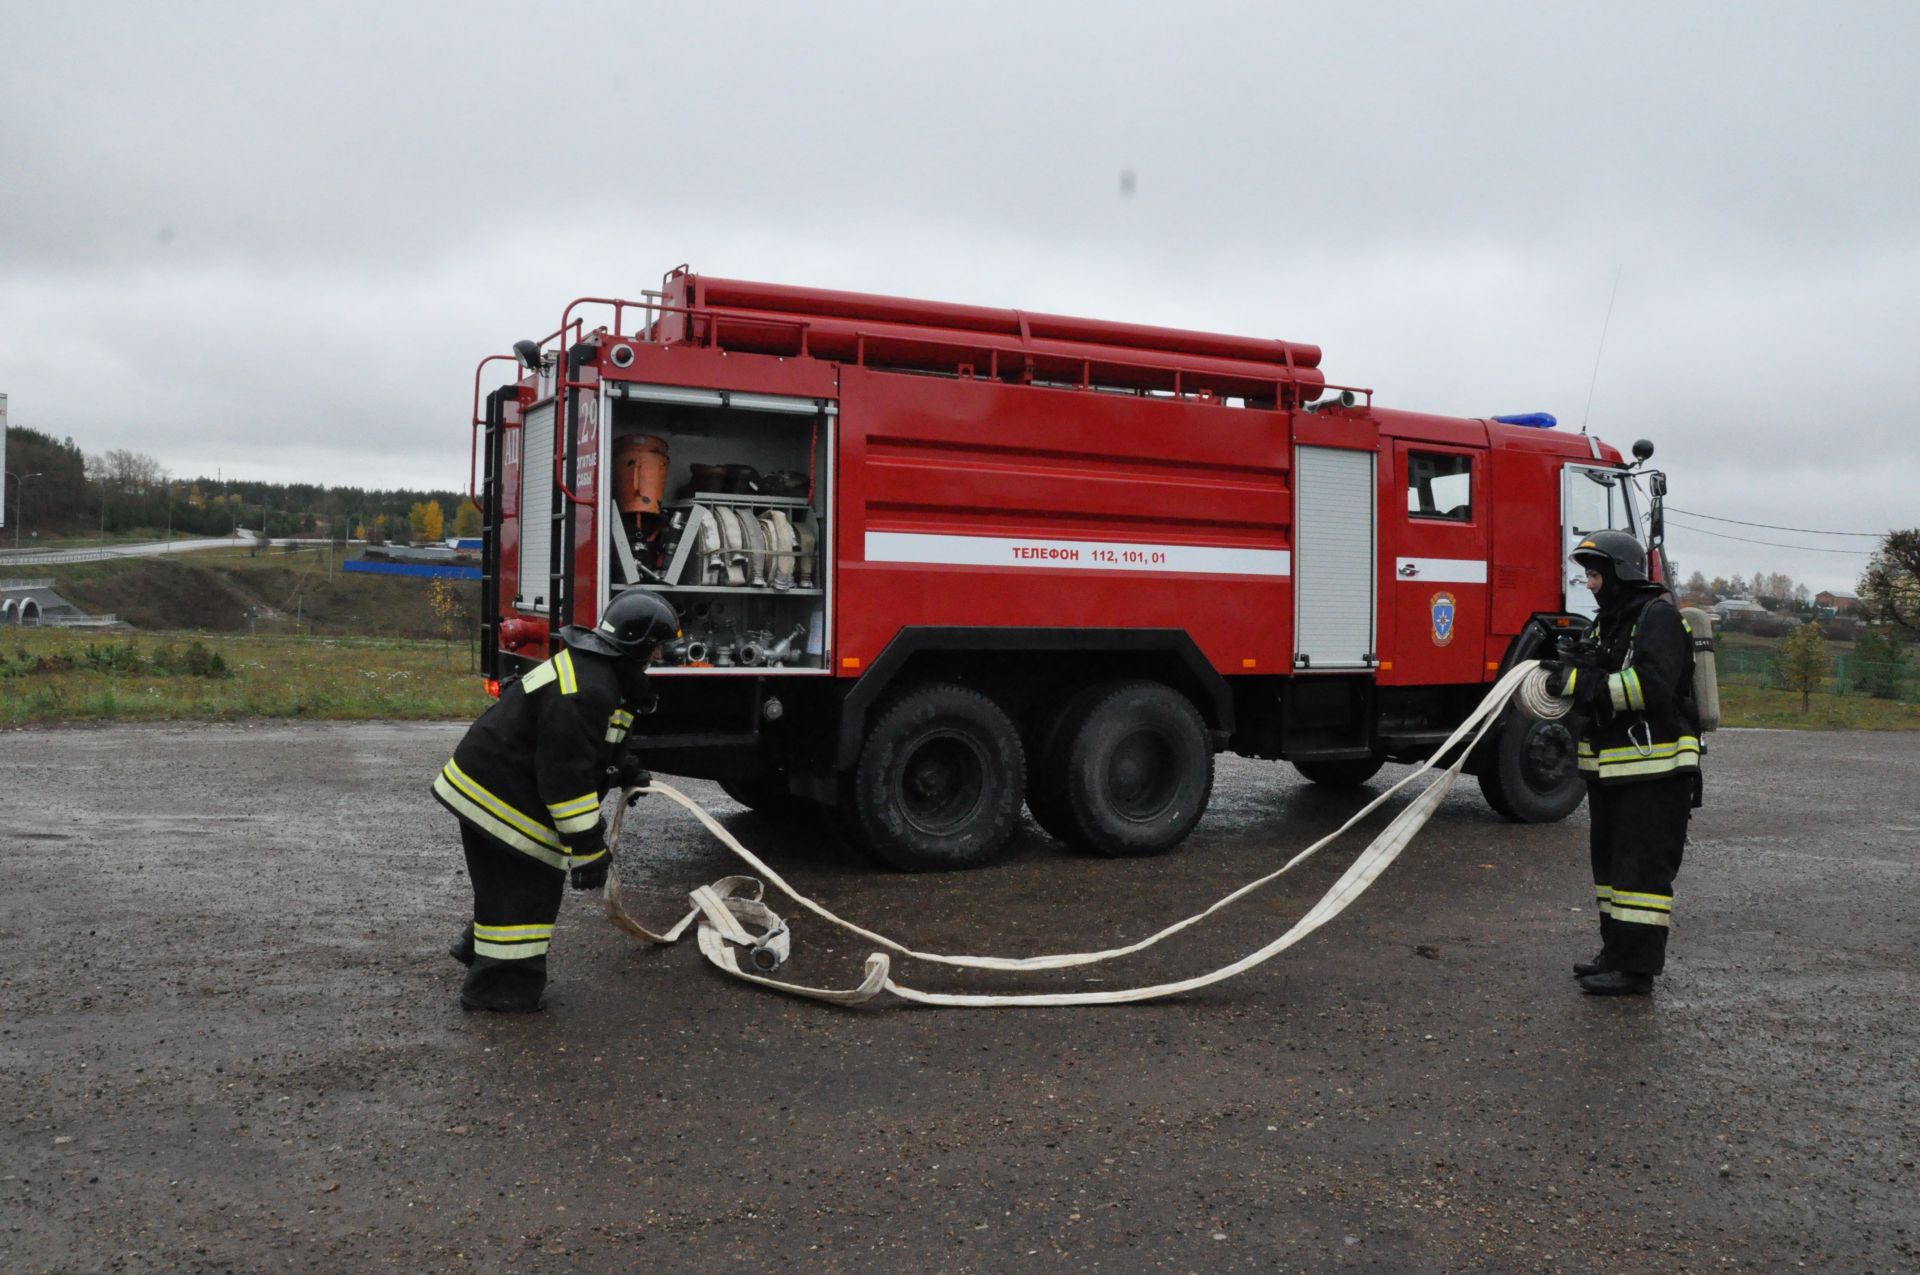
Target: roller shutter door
(536, 509)
(1333, 559)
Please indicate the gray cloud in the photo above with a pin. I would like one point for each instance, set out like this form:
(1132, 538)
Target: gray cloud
(276, 239)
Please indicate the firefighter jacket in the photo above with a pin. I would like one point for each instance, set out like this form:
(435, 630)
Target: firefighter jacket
(1642, 722)
(532, 770)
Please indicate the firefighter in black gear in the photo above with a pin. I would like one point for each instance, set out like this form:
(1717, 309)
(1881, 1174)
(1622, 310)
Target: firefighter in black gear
(1631, 681)
(527, 781)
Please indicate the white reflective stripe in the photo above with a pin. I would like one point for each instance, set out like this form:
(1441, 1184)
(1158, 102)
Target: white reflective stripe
(1617, 691)
(1651, 766)
(579, 823)
(580, 859)
(479, 796)
(615, 734)
(499, 830)
(510, 951)
(1441, 570)
(1034, 552)
(1636, 697)
(1640, 916)
(575, 805)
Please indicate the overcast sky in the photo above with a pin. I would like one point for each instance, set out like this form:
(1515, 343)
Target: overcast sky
(275, 239)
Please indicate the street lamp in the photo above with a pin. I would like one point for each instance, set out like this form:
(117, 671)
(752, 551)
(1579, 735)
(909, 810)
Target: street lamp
(20, 499)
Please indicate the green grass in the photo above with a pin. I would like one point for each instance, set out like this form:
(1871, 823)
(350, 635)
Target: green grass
(1763, 706)
(53, 675)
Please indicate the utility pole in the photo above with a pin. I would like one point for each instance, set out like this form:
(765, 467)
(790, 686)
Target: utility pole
(19, 501)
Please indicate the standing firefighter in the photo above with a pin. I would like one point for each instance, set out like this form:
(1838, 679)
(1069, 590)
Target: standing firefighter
(527, 782)
(1632, 686)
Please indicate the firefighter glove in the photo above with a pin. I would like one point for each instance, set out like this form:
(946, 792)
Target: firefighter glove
(591, 876)
(1558, 674)
(629, 773)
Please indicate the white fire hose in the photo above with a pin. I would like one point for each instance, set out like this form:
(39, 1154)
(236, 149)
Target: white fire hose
(732, 918)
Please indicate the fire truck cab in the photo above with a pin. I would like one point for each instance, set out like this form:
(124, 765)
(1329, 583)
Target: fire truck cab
(935, 561)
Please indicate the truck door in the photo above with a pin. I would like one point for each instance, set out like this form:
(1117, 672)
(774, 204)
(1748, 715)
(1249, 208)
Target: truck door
(1437, 524)
(1593, 498)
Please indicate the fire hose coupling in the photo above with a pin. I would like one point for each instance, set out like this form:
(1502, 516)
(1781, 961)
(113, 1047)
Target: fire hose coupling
(773, 949)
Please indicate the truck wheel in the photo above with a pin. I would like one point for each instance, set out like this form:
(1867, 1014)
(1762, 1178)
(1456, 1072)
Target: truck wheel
(1047, 763)
(939, 781)
(1139, 770)
(1350, 773)
(1532, 776)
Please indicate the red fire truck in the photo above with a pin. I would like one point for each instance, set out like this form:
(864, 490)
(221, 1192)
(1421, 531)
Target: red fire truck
(933, 561)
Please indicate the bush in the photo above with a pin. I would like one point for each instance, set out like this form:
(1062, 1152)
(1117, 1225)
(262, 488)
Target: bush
(1877, 665)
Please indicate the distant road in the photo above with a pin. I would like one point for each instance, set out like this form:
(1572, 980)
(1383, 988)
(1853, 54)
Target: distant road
(148, 549)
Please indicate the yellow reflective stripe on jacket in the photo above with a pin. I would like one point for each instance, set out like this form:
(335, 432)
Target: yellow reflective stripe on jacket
(475, 793)
(618, 725)
(448, 790)
(1573, 675)
(564, 663)
(1605, 894)
(1627, 752)
(511, 942)
(574, 805)
(579, 859)
(577, 815)
(1625, 691)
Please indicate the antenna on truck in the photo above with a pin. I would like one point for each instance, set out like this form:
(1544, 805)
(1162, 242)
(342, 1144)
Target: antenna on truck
(1605, 324)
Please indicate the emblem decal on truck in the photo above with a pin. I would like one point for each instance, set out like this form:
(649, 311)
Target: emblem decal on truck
(1442, 606)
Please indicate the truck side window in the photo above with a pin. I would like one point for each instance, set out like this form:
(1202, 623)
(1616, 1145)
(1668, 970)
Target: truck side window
(1440, 486)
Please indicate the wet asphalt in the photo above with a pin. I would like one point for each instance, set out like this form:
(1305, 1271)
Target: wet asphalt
(230, 1039)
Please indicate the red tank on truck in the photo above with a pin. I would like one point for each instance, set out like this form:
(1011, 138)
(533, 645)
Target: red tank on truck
(935, 563)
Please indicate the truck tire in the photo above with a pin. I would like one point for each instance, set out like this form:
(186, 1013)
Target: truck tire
(939, 781)
(1047, 763)
(1350, 773)
(1531, 776)
(1139, 770)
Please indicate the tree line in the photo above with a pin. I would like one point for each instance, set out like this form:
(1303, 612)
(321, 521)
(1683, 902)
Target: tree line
(55, 489)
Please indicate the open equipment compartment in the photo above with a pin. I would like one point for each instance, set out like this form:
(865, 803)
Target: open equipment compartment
(719, 502)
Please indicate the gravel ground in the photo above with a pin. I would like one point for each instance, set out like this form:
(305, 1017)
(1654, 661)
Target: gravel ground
(231, 1040)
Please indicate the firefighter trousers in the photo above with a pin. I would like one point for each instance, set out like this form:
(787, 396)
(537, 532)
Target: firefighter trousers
(515, 903)
(1639, 835)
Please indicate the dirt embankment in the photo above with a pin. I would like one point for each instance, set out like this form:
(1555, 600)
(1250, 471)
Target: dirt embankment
(302, 593)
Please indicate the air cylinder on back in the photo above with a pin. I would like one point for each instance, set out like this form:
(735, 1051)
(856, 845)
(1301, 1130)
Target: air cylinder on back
(1706, 676)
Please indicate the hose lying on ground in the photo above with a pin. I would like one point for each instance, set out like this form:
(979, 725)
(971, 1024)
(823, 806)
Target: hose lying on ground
(726, 908)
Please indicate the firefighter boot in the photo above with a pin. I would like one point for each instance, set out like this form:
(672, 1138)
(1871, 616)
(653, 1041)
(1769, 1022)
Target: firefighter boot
(514, 986)
(1598, 965)
(1617, 983)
